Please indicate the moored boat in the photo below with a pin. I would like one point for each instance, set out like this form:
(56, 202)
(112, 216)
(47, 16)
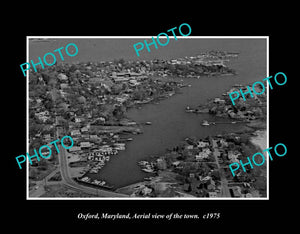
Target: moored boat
(205, 123)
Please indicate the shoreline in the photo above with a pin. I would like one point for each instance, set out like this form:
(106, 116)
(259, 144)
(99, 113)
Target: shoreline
(260, 140)
(255, 133)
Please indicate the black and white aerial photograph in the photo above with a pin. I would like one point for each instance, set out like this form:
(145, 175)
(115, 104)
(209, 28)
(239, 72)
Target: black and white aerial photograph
(157, 124)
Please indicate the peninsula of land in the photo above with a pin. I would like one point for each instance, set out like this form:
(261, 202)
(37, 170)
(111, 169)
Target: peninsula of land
(88, 101)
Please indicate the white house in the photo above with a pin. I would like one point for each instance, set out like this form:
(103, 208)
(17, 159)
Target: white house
(202, 144)
(85, 144)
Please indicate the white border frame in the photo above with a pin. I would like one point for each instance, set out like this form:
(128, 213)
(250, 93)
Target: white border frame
(141, 198)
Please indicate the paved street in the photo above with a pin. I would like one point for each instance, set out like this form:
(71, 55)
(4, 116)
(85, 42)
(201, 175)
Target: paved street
(224, 183)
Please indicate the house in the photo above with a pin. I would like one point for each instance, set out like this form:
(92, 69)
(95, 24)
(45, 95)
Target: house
(85, 144)
(233, 156)
(211, 185)
(120, 79)
(84, 129)
(64, 86)
(75, 132)
(47, 137)
(95, 137)
(235, 191)
(78, 120)
(176, 163)
(62, 77)
(212, 194)
(189, 147)
(122, 99)
(223, 143)
(231, 114)
(134, 82)
(161, 164)
(75, 149)
(204, 154)
(43, 116)
(202, 144)
(146, 191)
(219, 101)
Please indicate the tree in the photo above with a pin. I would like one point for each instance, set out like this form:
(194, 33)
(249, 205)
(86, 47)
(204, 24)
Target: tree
(119, 111)
(116, 89)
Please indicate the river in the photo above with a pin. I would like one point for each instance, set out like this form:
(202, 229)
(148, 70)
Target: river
(170, 123)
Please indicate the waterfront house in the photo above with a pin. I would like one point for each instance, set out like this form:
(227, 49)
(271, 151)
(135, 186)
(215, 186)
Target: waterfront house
(146, 191)
(202, 144)
(219, 101)
(189, 147)
(161, 164)
(123, 98)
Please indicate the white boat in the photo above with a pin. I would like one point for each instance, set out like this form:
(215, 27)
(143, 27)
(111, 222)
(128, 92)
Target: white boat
(149, 170)
(205, 123)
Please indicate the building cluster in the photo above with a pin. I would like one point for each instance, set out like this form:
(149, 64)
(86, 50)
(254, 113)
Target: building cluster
(200, 169)
(252, 109)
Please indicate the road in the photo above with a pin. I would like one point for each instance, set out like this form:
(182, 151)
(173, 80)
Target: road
(224, 183)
